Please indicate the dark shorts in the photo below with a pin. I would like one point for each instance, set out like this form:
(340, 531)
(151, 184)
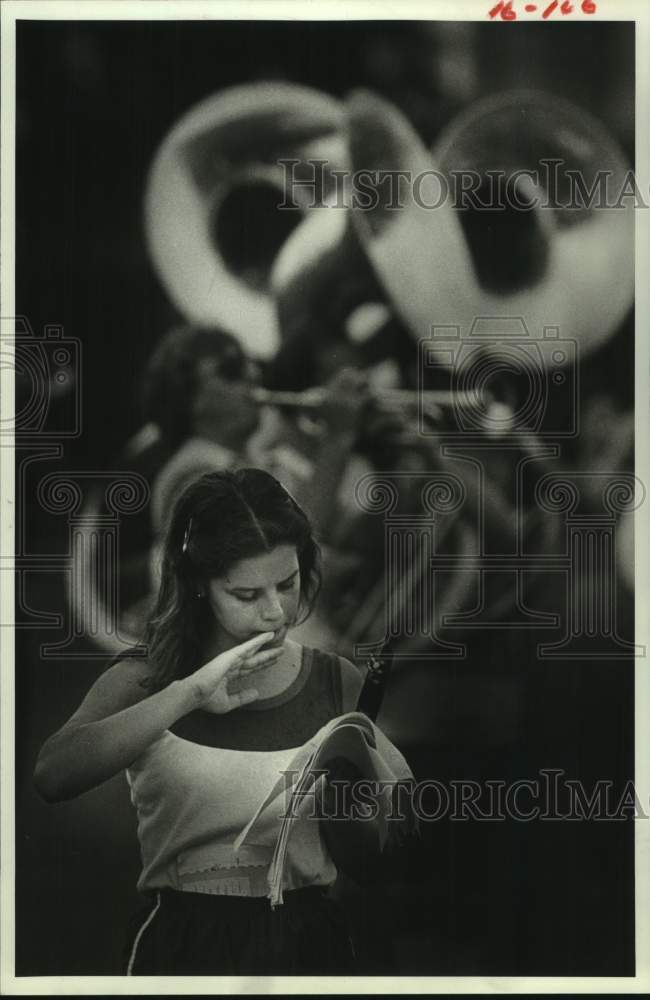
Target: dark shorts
(196, 934)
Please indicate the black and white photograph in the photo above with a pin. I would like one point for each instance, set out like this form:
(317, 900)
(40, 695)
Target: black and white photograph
(324, 461)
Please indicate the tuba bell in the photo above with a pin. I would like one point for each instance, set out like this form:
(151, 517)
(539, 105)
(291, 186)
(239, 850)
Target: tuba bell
(212, 217)
(554, 264)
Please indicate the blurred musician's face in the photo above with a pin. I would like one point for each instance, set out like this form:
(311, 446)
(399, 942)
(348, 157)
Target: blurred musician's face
(223, 408)
(260, 594)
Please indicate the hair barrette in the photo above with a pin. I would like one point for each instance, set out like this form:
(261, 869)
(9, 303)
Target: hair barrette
(186, 538)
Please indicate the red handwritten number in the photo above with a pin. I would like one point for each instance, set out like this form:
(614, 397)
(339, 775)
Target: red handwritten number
(505, 10)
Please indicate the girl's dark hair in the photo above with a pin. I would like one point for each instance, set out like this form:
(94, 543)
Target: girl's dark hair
(219, 519)
(171, 376)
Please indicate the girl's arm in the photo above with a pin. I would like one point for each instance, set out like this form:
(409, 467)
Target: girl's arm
(117, 720)
(114, 724)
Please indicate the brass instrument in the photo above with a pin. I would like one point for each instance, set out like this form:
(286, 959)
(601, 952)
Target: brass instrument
(226, 256)
(576, 272)
(428, 402)
(225, 252)
(212, 216)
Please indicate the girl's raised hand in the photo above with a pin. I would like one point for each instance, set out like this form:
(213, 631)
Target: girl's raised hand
(209, 684)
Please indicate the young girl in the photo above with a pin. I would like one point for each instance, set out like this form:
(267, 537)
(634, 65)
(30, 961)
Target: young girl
(205, 726)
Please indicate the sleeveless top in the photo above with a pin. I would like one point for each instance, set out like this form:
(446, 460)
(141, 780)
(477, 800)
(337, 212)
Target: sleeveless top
(193, 800)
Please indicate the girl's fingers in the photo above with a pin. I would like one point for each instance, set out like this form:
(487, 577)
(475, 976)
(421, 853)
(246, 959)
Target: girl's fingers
(253, 670)
(247, 652)
(251, 666)
(252, 645)
(260, 654)
(260, 659)
(253, 662)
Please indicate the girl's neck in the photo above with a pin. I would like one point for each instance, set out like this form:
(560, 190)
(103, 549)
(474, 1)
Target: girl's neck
(276, 678)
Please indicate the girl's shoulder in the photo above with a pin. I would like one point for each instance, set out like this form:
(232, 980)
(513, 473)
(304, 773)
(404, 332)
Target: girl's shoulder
(348, 678)
(126, 683)
(130, 672)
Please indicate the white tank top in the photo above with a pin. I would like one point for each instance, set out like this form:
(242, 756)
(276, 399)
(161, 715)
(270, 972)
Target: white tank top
(192, 801)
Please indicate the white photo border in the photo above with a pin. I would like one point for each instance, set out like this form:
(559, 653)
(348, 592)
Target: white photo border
(475, 10)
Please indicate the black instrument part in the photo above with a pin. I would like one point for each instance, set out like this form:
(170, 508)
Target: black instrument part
(378, 668)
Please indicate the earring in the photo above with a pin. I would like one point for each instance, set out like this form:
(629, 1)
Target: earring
(186, 537)
(200, 594)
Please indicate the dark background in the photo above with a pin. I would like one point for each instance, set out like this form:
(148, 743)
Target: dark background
(93, 102)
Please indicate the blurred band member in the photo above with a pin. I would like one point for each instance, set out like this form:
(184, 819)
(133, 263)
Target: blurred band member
(202, 417)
